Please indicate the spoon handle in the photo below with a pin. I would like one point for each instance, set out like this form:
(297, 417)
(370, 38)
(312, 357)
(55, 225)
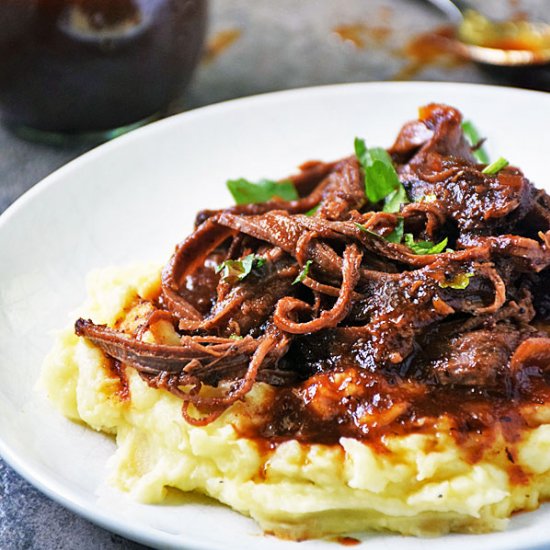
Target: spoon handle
(453, 9)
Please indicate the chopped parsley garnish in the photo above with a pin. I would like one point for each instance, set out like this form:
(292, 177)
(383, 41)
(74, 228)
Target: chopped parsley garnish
(247, 192)
(459, 282)
(235, 337)
(313, 211)
(303, 274)
(237, 270)
(472, 135)
(417, 247)
(394, 201)
(396, 236)
(480, 154)
(381, 179)
(429, 198)
(425, 247)
(495, 167)
(365, 230)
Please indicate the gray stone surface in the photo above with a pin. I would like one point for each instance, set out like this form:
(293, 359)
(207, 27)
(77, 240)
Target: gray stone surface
(282, 44)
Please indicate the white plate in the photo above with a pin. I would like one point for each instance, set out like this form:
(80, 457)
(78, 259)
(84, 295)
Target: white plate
(132, 200)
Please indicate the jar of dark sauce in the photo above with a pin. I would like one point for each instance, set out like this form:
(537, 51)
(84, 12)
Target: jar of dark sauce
(95, 66)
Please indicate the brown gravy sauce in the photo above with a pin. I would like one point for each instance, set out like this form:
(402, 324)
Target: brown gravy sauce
(219, 43)
(479, 421)
(347, 541)
(117, 370)
(350, 401)
(434, 48)
(360, 34)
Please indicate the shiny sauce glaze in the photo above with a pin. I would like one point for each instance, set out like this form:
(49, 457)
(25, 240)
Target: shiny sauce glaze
(355, 334)
(368, 406)
(347, 541)
(351, 400)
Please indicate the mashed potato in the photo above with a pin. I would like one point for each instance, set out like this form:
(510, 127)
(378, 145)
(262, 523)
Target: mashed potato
(421, 484)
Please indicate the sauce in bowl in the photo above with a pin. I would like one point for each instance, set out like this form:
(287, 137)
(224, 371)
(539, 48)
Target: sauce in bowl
(77, 66)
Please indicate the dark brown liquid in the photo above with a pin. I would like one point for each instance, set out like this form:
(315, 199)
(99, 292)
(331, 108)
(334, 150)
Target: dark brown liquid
(347, 541)
(354, 402)
(91, 65)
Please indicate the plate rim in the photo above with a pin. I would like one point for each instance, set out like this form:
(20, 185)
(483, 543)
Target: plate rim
(59, 493)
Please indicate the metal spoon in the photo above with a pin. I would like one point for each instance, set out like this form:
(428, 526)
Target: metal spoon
(534, 37)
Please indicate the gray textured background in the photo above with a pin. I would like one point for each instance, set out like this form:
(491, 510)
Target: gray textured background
(282, 44)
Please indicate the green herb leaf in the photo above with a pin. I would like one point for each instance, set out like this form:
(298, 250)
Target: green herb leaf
(394, 201)
(235, 337)
(247, 192)
(237, 270)
(381, 179)
(396, 236)
(365, 230)
(313, 211)
(425, 247)
(429, 198)
(380, 176)
(495, 167)
(303, 274)
(473, 137)
(459, 282)
(360, 150)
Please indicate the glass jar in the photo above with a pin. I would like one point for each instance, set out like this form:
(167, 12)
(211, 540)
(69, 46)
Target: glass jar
(94, 67)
